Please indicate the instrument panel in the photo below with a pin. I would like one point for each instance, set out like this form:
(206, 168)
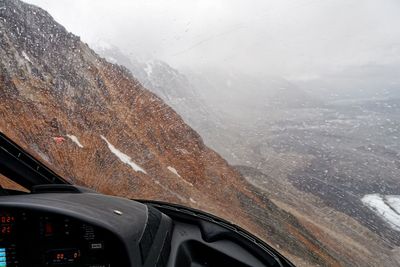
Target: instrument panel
(36, 238)
(94, 230)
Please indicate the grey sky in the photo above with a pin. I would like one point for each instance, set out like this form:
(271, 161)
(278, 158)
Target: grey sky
(300, 38)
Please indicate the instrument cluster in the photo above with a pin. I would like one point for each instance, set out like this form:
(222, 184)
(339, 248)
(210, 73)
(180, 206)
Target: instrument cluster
(29, 238)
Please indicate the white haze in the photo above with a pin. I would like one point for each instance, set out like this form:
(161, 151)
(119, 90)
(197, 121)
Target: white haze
(302, 38)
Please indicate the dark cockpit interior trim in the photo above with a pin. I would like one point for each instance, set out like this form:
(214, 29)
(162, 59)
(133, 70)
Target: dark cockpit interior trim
(22, 168)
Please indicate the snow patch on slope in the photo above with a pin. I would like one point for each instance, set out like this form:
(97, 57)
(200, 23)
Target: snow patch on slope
(26, 56)
(394, 202)
(387, 207)
(123, 157)
(75, 140)
(173, 170)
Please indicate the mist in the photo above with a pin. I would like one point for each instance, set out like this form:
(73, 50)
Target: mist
(294, 39)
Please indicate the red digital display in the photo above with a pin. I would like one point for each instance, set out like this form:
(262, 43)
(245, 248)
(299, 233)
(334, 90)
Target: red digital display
(5, 229)
(7, 219)
(64, 256)
(6, 225)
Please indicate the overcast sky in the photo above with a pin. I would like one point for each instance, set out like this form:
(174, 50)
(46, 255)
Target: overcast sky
(299, 38)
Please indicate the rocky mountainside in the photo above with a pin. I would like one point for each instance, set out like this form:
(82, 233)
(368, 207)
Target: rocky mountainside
(169, 84)
(179, 92)
(96, 125)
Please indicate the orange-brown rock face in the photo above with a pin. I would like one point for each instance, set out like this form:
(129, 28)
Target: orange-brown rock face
(95, 125)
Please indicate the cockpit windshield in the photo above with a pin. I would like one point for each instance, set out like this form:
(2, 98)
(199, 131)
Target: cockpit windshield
(282, 117)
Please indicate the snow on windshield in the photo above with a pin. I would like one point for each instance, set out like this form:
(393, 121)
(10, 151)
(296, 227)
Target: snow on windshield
(280, 116)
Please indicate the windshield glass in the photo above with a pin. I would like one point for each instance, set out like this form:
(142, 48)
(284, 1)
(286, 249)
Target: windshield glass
(281, 117)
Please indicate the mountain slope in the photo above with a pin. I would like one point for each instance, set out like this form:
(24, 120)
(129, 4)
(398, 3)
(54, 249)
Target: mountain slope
(172, 87)
(96, 125)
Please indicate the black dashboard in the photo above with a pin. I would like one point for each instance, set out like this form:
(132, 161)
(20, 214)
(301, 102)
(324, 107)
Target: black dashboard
(80, 229)
(37, 238)
(94, 230)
